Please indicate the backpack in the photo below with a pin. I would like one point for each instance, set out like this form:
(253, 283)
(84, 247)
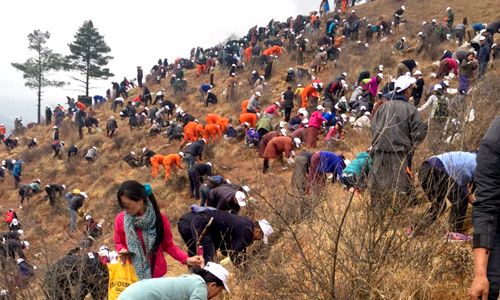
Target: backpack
(441, 112)
(9, 216)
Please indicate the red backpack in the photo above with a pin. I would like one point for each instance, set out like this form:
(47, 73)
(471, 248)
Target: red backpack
(9, 216)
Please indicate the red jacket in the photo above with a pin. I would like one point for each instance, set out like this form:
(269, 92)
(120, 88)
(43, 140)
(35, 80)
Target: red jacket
(166, 246)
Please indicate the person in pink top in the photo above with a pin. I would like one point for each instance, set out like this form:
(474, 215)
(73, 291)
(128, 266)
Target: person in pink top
(142, 233)
(315, 122)
(273, 110)
(372, 85)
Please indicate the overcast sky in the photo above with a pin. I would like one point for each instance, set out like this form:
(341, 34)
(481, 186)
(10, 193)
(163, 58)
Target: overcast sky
(138, 32)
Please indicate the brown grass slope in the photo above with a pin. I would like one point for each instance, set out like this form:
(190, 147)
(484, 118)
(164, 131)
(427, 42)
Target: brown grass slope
(299, 263)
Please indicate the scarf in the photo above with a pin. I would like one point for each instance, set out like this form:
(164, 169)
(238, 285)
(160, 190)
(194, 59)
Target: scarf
(146, 223)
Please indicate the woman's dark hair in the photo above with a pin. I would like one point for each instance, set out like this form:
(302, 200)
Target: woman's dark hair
(136, 192)
(207, 276)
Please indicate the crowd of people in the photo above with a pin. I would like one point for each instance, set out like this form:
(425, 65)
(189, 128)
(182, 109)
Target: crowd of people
(285, 128)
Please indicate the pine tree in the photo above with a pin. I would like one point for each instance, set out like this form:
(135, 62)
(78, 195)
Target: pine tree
(36, 68)
(88, 54)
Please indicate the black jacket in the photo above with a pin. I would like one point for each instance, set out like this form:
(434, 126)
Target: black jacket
(196, 149)
(486, 208)
(222, 198)
(76, 202)
(11, 248)
(201, 169)
(288, 97)
(230, 232)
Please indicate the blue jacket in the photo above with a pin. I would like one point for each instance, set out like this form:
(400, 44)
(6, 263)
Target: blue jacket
(460, 166)
(483, 55)
(16, 171)
(330, 163)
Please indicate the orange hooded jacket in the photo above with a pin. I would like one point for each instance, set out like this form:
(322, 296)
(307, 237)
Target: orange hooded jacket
(251, 118)
(306, 93)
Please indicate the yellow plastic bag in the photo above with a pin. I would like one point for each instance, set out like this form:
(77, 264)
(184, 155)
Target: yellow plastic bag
(120, 277)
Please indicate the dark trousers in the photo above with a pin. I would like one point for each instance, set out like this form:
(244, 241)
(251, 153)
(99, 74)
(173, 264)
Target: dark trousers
(194, 184)
(288, 111)
(204, 190)
(438, 186)
(189, 158)
(493, 271)
(80, 132)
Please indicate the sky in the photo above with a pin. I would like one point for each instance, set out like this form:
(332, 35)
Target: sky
(138, 33)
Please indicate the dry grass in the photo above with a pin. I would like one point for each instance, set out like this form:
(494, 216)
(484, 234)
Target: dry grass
(298, 265)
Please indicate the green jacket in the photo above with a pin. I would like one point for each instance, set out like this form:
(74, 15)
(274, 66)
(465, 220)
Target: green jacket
(264, 123)
(359, 164)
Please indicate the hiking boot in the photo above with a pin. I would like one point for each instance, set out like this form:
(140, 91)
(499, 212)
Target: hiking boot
(457, 237)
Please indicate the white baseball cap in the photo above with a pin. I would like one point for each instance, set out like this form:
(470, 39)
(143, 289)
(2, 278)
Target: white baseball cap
(246, 188)
(297, 141)
(26, 244)
(241, 198)
(403, 82)
(320, 107)
(283, 131)
(258, 94)
(267, 230)
(219, 272)
(181, 154)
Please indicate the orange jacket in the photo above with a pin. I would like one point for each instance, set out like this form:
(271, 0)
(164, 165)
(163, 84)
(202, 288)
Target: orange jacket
(212, 119)
(244, 105)
(200, 130)
(251, 118)
(223, 123)
(338, 41)
(190, 128)
(248, 53)
(173, 160)
(274, 50)
(212, 130)
(306, 93)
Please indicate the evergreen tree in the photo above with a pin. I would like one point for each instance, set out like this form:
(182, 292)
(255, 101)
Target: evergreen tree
(88, 54)
(36, 68)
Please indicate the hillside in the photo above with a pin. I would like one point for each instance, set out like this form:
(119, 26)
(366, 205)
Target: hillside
(300, 262)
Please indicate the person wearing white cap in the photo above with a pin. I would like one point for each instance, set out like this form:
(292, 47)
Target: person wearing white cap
(195, 174)
(225, 197)
(266, 138)
(52, 190)
(315, 123)
(397, 17)
(276, 148)
(111, 126)
(253, 104)
(229, 233)
(91, 155)
(206, 283)
(450, 17)
(467, 70)
(14, 248)
(438, 103)
(483, 56)
(396, 132)
(401, 45)
(75, 198)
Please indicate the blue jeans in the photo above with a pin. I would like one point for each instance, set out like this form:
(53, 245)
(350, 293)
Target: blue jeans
(72, 220)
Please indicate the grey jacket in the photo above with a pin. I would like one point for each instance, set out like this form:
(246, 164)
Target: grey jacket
(397, 127)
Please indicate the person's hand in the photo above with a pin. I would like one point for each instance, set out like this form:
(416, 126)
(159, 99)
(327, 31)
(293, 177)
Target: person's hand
(196, 261)
(124, 255)
(479, 288)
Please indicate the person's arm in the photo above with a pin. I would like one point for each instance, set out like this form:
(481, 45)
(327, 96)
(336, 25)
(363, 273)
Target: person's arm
(119, 235)
(418, 129)
(168, 244)
(480, 285)
(427, 103)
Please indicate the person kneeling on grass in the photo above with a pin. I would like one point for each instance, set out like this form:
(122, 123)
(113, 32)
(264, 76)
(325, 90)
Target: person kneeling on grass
(206, 283)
